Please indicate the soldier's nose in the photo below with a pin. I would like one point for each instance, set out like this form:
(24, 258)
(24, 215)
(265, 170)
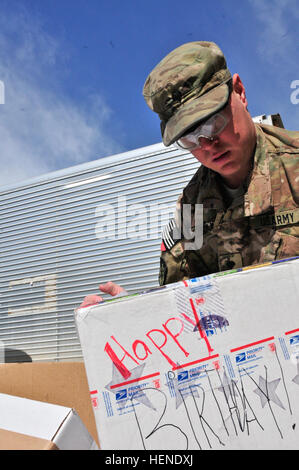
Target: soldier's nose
(206, 142)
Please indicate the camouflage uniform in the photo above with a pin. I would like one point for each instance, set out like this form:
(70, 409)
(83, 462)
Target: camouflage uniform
(259, 226)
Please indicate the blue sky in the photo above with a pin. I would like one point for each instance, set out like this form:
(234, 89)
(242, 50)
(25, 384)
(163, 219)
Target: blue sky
(74, 70)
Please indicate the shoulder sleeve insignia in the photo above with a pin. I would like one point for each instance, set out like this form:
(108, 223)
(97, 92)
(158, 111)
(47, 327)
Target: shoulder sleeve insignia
(163, 272)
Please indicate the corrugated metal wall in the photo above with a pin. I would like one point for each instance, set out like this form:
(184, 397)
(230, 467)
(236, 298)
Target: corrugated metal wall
(52, 253)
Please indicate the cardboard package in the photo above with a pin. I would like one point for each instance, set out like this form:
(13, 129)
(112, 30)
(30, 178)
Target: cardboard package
(59, 383)
(32, 425)
(209, 363)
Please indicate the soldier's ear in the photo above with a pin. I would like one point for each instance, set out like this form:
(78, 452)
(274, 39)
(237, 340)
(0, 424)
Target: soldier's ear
(239, 89)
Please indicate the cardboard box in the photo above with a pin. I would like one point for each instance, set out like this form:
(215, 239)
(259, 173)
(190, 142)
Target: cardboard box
(59, 383)
(211, 363)
(32, 425)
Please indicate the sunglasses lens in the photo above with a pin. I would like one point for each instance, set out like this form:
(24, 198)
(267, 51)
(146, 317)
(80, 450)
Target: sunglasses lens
(187, 142)
(213, 126)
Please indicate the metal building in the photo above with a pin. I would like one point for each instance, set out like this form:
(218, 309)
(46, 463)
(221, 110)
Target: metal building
(64, 233)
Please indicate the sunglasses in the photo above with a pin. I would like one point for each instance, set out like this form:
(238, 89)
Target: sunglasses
(207, 130)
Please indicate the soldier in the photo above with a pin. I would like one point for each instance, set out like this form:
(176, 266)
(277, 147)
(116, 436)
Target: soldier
(248, 181)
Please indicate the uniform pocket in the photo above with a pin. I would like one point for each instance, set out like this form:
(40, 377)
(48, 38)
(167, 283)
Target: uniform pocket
(281, 246)
(289, 246)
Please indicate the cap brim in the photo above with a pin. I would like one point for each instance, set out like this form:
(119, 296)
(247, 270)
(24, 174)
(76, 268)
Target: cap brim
(194, 111)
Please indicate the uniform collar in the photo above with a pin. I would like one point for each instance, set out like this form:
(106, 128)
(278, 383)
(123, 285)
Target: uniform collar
(205, 187)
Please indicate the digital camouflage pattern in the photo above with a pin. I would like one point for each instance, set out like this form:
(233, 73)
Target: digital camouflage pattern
(188, 85)
(259, 226)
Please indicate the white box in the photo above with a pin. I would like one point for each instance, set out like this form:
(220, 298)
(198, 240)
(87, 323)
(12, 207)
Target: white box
(211, 363)
(30, 424)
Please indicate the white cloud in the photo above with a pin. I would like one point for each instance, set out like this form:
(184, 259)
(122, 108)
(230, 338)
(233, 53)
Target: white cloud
(278, 34)
(41, 129)
(277, 45)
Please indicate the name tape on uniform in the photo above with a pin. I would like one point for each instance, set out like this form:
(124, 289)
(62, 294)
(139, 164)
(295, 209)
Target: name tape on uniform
(286, 217)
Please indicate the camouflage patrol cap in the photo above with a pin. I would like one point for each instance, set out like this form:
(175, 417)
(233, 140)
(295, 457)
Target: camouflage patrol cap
(187, 86)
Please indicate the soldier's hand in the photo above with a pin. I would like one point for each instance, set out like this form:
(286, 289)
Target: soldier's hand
(108, 288)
